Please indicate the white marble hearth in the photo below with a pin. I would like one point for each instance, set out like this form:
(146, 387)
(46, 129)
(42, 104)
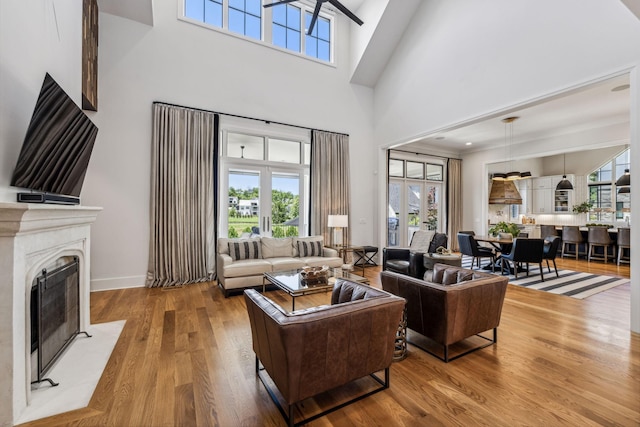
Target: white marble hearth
(78, 372)
(33, 237)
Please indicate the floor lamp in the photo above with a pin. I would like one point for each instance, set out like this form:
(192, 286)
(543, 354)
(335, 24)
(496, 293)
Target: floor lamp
(338, 222)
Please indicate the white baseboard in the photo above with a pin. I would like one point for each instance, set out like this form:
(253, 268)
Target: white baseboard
(117, 283)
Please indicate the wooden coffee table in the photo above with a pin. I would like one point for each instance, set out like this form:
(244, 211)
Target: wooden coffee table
(290, 282)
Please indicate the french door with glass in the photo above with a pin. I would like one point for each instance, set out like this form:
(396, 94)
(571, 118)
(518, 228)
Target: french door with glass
(414, 196)
(263, 200)
(264, 179)
(413, 205)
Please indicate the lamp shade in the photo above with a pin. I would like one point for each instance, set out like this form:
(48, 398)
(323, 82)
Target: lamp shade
(341, 221)
(624, 190)
(513, 175)
(564, 184)
(624, 180)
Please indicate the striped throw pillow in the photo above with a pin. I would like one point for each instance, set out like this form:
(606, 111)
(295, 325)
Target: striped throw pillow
(309, 248)
(245, 249)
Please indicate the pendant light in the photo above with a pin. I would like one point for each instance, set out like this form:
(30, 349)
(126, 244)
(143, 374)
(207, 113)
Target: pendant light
(565, 184)
(624, 183)
(513, 175)
(503, 190)
(624, 180)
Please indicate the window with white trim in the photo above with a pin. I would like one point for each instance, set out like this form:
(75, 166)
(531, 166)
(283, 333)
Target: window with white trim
(318, 43)
(282, 26)
(609, 204)
(245, 17)
(207, 11)
(286, 27)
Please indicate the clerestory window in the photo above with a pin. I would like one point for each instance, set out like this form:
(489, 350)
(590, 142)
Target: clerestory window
(318, 43)
(207, 11)
(245, 17)
(283, 26)
(286, 27)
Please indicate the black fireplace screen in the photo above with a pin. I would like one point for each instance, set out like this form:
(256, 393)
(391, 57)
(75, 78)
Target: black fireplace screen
(55, 314)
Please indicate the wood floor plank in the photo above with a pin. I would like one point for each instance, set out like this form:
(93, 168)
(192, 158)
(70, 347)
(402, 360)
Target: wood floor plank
(185, 358)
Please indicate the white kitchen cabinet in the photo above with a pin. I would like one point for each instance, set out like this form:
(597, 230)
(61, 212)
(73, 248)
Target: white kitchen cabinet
(545, 198)
(542, 183)
(542, 200)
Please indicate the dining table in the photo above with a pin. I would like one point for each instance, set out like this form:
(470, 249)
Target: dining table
(502, 245)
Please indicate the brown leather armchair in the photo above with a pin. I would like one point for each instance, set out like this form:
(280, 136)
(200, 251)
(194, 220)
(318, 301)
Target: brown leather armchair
(458, 303)
(307, 352)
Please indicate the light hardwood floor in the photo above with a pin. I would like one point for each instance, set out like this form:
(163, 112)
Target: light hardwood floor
(184, 359)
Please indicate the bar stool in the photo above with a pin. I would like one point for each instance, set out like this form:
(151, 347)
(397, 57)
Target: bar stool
(599, 237)
(571, 235)
(547, 231)
(624, 242)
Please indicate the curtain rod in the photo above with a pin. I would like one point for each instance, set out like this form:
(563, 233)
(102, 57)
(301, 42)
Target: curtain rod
(423, 154)
(248, 118)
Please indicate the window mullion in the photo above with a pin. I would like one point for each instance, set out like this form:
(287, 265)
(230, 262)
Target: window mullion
(303, 31)
(225, 14)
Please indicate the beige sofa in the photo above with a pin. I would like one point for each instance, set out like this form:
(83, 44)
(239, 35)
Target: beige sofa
(242, 262)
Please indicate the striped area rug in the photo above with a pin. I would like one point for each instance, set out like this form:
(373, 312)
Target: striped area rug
(570, 283)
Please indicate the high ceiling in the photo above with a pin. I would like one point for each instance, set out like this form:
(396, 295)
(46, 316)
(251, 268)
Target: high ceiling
(583, 109)
(591, 107)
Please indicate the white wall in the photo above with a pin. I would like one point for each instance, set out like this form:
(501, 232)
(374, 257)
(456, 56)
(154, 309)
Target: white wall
(185, 64)
(462, 60)
(370, 13)
(36, 37)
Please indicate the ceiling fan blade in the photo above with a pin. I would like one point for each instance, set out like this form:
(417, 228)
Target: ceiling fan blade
(278, 2)
(314, 18)
(346, 11)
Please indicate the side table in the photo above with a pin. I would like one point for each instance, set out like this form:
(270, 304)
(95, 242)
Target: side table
(400, 345)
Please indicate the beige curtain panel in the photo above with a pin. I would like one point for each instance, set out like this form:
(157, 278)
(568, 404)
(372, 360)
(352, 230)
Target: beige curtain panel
(330, 182)
(182, 166)
(454, 209)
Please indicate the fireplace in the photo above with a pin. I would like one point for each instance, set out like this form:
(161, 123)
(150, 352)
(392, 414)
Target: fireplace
(32, 238)
(54, 315)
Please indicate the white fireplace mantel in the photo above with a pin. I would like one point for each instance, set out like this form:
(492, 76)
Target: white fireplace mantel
(32, 237)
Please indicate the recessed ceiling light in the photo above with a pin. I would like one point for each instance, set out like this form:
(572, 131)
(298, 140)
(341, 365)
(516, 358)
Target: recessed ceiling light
(468, 143)
(439, 138)
(619, 88)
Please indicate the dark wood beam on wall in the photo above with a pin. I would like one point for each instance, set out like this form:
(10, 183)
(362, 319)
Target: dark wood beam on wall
(90, 55)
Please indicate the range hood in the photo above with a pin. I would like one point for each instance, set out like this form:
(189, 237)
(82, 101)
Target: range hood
(504, 193)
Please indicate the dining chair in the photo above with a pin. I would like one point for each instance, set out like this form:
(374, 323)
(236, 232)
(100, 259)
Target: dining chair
(524, 251)
(551, 245)
(469, 247)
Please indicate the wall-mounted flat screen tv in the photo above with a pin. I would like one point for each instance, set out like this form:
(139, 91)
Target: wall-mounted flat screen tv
(56, 149)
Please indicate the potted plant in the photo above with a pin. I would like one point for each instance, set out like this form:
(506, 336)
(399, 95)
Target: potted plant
(583, 207)
(505, 227)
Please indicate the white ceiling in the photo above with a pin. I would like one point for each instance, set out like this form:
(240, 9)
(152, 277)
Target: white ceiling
(587, 108)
